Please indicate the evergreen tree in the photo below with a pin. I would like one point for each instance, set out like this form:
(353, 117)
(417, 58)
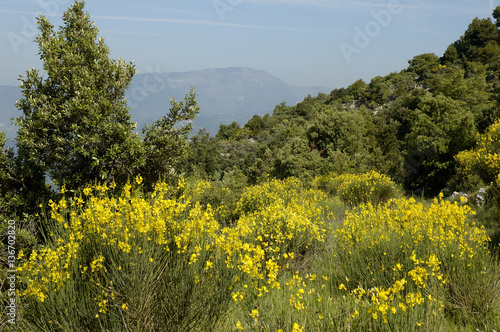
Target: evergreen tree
(76, 125)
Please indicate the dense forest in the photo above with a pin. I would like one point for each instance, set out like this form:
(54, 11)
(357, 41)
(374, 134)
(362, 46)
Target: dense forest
(375, 207)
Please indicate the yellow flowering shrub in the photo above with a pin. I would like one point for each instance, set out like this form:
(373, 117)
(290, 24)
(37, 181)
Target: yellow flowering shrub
(484, 159)
(396, 265)
(222, 199)
(439, 228)
(163, 259)
(278, 219)
(281, 214)
(355, 189)
(107, 248)
(420, 248)
(112, 253)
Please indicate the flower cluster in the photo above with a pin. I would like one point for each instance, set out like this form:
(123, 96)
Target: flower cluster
(355, 189)
(437, 228)
(484, 159)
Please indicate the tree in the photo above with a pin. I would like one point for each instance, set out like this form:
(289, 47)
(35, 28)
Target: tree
(423, 64)
(230, 131)
(204, 157)
(472, 45)
(338, 130)
(255, 124)
(440, 128)
(76, 125)
(9, 200)
(357, 89)
(165, 141)
(298, 160)
(450, 56)
(22, 185)
(496, 16)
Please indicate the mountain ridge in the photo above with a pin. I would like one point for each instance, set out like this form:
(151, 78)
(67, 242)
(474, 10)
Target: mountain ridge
(223, 94)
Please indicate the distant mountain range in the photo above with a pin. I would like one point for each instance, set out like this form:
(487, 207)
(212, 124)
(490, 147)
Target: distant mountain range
(223, 95)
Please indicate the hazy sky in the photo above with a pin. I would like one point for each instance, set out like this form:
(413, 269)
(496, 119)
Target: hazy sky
(303, 42)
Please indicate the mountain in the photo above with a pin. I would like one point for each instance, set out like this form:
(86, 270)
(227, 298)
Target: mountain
(224, 95)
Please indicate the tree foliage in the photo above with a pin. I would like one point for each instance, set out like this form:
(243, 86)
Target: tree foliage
(76, 125)
(165, 141)
(75, 122)
(22, 183)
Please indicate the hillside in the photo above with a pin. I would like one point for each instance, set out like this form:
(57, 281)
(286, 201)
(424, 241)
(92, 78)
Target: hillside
(337, 213)
(409, 125)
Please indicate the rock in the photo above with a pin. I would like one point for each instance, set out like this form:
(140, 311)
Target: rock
(460, 194)
(480, 197)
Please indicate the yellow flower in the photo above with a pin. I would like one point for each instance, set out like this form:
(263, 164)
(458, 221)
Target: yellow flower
(254, 313)
(41, 297)
(87, 191)
(124, 306)
(239, 326)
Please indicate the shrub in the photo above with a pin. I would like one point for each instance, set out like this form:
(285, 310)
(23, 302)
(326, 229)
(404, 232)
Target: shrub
(484, 159)
(131, 262)
(436, 251)
(161, 261)
(396, 267)
(355, 189)
(284, 214)
(483, 162)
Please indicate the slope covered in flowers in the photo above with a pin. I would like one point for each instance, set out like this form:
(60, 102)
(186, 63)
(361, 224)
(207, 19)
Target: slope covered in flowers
(289, 262)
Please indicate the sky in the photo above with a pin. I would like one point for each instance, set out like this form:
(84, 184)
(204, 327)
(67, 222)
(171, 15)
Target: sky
(329, 43)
